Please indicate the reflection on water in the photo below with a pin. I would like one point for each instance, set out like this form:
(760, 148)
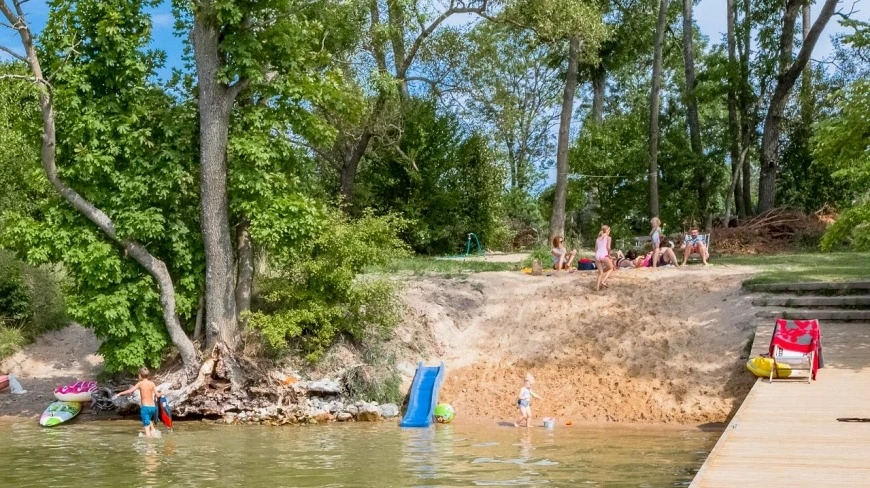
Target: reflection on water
(97, 454)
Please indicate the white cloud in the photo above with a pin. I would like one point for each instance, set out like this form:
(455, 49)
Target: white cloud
(162, 20)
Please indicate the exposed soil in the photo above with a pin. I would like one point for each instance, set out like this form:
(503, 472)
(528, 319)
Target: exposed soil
(659, 346)
(56, 358)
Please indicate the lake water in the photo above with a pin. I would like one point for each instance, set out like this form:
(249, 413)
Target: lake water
(97, 454)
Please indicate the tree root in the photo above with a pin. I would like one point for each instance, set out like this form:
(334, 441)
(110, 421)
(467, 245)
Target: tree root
(238, 390)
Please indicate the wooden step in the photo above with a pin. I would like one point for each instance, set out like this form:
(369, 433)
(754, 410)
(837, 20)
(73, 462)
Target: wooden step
(863, 315)
(840, 301)
(824, 286)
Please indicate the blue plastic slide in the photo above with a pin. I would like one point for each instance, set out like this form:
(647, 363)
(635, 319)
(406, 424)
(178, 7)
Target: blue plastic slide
(423, 396)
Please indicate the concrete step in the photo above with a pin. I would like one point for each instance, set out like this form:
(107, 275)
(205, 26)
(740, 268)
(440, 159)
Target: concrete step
(863, 315)
(822, 286)
(809, 301)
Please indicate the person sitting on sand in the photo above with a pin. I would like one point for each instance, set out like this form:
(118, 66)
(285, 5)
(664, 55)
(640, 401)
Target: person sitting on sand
(148, 401)
(602, 257)
(524, 402)
(694, 244)
(666, 255)
(629, 260)
(562, 259)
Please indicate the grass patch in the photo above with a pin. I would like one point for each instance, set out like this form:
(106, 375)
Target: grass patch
(11, 340)
(804, 267)
(420, 265)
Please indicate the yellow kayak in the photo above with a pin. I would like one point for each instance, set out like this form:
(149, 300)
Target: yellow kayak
(761, 367)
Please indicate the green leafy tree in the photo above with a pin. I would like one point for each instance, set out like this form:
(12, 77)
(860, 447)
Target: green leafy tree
(122, 168)
(314, 293)
(840, 143)
(577, 23)
(513, 91)
(265, 50)
(396, 36)
(456, 190)
(20, 181)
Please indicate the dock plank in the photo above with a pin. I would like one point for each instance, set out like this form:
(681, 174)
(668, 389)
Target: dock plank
(787, 433)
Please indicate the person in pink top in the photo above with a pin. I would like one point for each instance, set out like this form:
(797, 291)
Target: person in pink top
(602, 257)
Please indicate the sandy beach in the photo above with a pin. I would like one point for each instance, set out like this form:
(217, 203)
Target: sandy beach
(659, 346)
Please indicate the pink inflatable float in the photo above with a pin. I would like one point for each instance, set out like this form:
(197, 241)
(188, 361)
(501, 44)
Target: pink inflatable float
(80, 391)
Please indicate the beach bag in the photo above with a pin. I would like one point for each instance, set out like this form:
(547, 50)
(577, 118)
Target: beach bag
(586, 264)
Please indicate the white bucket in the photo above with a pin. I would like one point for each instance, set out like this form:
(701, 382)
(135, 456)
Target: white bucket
(549, 422)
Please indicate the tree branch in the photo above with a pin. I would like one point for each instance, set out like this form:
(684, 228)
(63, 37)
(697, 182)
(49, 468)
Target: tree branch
(234, 89)
(434, 84)
(13, 53)
(31, 79)
(318, 152)
(418, 42)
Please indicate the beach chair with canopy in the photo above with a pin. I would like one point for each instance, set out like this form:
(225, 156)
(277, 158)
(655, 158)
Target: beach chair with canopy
(796, 344)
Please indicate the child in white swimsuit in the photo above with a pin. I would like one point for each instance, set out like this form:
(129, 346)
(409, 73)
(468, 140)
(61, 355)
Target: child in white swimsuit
(602, 257)
(655, 237)
(524, 402)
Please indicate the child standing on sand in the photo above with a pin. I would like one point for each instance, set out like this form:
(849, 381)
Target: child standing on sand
(148, 407)
(524, 402)
(602, 257)
(655, 237)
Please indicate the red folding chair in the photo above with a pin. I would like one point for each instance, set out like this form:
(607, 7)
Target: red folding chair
(798, 344)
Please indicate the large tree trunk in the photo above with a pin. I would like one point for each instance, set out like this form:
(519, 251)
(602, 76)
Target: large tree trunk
(789, 73)
(245, 278)
(557, 220)
(807, 80)
(350, 163)
(654, 109)
(599, 83)
(396, 11)
(155, 267)
(215, 105)
(692, 118)
(599, 77)
(734, 135)
(747, 106)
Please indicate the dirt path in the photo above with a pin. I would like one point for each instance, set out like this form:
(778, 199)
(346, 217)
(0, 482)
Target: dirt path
(57, 358)
(659, 346)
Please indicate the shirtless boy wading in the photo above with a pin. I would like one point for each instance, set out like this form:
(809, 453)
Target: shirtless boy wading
(148, 394)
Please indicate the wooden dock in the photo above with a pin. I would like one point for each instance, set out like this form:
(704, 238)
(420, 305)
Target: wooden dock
(788, 433)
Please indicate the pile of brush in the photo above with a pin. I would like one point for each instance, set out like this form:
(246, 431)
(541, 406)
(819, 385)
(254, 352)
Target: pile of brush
(773, 231)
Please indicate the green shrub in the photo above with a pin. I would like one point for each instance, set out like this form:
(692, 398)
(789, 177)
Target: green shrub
(380, 384)
(11, 340)
(542, 254)
(31, 301)
(317, 294)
